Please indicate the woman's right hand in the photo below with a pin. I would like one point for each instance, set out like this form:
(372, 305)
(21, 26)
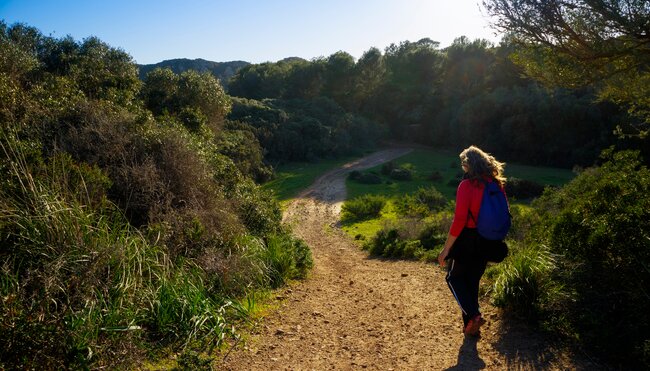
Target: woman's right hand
(445, 249)
(442, 256)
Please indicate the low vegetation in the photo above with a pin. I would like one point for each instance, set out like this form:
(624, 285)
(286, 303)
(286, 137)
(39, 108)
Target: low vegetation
(131, 218)
(130, 221)
(364, 207)
(567, 271)
(441, 169)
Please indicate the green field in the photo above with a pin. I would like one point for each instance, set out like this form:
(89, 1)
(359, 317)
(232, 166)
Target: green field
(426, 162)
(291, 179)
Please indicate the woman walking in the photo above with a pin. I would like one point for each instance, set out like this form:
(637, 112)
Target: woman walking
(462, 249)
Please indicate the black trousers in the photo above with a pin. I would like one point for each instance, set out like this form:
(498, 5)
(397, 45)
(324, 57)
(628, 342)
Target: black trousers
(464, 271)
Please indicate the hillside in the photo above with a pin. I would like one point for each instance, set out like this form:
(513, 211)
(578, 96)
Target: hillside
(221, 70)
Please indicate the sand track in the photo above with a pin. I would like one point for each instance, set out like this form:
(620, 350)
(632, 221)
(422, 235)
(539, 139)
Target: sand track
(356, 312)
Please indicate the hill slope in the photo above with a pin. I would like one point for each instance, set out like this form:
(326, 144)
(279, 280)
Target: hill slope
(221, 70)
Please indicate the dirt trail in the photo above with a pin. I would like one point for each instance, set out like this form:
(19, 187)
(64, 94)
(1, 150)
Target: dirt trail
(356, 312)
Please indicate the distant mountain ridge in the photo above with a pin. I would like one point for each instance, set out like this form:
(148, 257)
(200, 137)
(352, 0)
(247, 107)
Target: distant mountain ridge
(221, 70)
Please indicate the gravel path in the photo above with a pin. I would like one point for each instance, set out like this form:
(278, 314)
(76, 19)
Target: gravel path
(356, 312)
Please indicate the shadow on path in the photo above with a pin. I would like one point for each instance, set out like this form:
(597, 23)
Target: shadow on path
(468, 358)
(539, 351)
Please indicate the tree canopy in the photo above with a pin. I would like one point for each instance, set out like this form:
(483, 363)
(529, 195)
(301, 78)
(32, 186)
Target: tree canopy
(604, 43)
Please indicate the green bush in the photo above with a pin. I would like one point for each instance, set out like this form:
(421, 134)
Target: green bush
(90, 275)
(599, 225)
(388, 167)
(436, 176)
(354, 175)
(423, 202)
(432, 235)
(287, 258)
(383, 242)
(363, 207)
(369, 178)
(523, 189)
(124, 229)
(401, 174)
(407, 239)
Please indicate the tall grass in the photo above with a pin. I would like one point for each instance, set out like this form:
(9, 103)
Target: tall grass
(75, 278)
(286, 258)
(523, 282)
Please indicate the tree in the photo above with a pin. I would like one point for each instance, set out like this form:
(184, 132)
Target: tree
(104, 72)
(466, 69)
(204, 92)
(407, 96)
(305, 79)
(369, 73)
(338, 75)
(575, 43)
(258, 81)
(159, 90)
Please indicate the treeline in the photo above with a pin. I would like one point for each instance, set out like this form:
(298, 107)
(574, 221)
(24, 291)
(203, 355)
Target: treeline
(467, 93)
(129, 216)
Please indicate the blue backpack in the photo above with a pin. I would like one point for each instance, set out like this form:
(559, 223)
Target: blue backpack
(494, 217)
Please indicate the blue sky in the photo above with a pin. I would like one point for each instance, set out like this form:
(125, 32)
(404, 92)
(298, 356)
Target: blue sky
(253, 31)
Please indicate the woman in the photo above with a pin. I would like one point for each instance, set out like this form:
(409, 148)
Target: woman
(466, 265)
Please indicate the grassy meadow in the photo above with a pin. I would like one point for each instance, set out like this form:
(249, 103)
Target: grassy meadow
(424, 163)
(292, 178)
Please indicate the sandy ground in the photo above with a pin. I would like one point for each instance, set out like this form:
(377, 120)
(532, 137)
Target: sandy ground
(357, 312)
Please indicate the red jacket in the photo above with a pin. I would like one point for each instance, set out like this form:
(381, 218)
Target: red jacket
(468, 197)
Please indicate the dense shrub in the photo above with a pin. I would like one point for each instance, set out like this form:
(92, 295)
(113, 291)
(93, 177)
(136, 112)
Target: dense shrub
(388, 167)
(433, 234)
(80, 274)
(436, 176)
(241, 146)
(369, 178)
(363, 207)
(401, 174)
(354, 175)
(383, 242)
(422, 202)
(523, 283)
(123, 228)
(287, 257)
(598, 226)
(523, 189)
(408, 239)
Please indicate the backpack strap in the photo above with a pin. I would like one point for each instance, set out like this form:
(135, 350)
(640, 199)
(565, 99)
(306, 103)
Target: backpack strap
(485, 183)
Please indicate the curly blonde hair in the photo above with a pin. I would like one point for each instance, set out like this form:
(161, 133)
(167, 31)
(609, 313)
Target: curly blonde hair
(481, 164)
